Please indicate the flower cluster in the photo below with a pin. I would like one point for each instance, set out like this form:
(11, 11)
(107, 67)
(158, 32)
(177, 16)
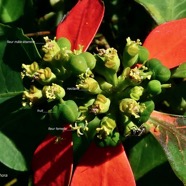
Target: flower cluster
(101, 94)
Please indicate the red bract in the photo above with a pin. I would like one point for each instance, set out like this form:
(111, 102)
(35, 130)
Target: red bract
(53, 162)
(167, 43)
(81, 23)
(103, 167)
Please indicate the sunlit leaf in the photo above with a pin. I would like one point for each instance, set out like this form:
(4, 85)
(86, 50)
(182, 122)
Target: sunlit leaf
(167, 43)
(180, 72)
(170, 131)
(81, 23)
(166, 10)
(103, 166)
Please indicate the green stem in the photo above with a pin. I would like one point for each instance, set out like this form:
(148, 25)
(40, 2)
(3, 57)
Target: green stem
(112, 78)
(61, 100)
(168, 85)
(122, 85)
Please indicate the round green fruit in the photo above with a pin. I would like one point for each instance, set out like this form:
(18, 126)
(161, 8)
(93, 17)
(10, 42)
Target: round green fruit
(154, 87)
(77, 64)
(64, 42)
(90, 59)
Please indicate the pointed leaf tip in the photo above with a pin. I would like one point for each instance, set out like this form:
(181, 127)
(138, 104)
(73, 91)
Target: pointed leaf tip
(167, 43)
(81, 23)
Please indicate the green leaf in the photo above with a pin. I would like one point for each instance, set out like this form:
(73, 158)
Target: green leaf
(180, 71)
(145, 155)
(11, 10)
(21, 128)
(170, 131)
(11, 157)
(163, 11)
(15, 49)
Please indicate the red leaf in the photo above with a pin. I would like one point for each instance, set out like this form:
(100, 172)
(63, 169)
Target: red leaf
(167, 43)
(53, 162)
(82, 23)
(103, 167)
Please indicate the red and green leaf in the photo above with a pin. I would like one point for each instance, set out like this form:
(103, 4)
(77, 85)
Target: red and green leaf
(167, 43)
(81, 23)
(170, 131)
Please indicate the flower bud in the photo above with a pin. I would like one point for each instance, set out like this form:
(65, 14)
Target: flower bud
(110, 59)
(45, 76)
(130, 54)
(29, 70)
(53, 92)
(89, 84)
(107, 125)
(100, 105)
(137, 75)
(32, 96)
(51, 50)
(130, 107)
(136, 92)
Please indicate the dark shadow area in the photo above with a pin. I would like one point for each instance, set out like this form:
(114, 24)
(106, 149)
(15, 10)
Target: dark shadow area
(23, 126)
(124, 19)
(160, 176)
(8, 175)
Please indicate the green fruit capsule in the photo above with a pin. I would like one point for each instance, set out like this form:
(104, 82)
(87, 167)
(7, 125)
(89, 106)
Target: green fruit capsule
(160, 72)
(154, 87)
(163, 74)
(152, 63)
(77, 64)
(64, 42)
(143, 54)
(65, 112)
(90, 59)
(69, 111)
